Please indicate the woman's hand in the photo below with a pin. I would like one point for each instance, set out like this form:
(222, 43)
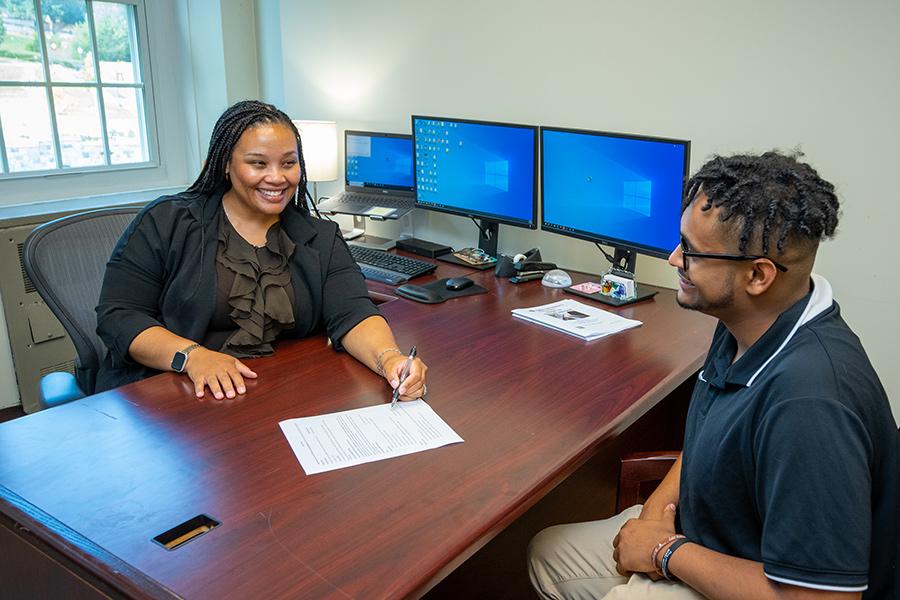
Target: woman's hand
(223, 374)
(372, 343)
(413, 386)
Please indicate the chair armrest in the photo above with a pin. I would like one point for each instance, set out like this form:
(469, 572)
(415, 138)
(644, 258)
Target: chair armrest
(58, 388)
(640, 468)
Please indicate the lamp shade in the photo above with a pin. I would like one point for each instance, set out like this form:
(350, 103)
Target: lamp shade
(319, 149)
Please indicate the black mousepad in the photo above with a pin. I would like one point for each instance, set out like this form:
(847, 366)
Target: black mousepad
(440, 288)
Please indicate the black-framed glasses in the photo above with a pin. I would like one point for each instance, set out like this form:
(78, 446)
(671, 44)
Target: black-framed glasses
(686, 254)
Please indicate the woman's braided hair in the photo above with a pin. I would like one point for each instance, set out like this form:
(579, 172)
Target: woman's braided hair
(772, 196)
(228, 129)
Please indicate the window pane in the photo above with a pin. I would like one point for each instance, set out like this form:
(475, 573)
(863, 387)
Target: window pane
(124, 125)
(68, 40)
(26, 128)
(116, 43)
(20, 48)
(78, 122)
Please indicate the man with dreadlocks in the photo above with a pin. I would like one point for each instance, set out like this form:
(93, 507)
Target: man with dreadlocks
(787, 486)
(217, 273)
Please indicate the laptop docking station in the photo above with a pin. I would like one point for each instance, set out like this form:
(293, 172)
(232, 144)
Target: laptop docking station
(423, 248)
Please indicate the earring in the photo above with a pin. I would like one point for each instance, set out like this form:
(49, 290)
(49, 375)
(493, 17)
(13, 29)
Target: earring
(297, 196)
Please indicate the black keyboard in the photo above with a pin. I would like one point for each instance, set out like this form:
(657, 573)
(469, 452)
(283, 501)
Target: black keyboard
(385, 267)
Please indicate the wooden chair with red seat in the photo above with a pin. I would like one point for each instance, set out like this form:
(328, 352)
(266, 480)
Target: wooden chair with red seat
(640, 473)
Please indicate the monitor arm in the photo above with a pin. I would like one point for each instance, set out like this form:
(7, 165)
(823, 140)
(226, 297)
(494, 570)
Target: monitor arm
(487, 236)
(623, 261)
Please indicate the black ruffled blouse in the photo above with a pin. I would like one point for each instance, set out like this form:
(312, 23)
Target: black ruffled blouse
(254, 295)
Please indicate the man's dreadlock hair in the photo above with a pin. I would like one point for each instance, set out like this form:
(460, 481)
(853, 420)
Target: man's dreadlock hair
(772, 196)
(229, 128)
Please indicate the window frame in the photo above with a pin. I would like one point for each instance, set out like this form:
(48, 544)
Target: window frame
(143, 88)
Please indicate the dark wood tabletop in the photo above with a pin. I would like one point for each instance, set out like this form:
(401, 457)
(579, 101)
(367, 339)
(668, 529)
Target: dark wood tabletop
(97, 479)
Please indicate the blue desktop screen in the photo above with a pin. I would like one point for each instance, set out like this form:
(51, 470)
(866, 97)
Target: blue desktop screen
(613, 189)
(379, 161)
(476, 169)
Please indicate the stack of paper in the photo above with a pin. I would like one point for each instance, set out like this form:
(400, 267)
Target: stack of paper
(587, 322)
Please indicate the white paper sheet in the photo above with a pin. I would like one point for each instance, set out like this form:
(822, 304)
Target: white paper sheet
(576, 318)
(353, 437)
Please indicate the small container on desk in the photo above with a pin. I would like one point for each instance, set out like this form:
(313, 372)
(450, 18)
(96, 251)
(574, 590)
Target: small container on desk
(616, 288)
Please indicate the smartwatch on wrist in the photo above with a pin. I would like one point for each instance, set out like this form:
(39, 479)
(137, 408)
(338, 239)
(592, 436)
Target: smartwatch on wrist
(179, 361)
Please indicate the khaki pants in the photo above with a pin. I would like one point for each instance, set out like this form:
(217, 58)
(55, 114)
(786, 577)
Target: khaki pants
(574, 562)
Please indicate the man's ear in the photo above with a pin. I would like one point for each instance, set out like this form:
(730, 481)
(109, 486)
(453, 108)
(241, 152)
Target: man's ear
(761, 277)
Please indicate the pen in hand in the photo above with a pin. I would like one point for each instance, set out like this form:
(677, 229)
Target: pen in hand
(403, 375)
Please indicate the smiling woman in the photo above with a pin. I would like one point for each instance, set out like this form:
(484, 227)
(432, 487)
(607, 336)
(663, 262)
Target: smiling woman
(204, 279)
(263, 169)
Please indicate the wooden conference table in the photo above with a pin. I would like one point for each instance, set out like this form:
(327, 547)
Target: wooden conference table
(86, 486)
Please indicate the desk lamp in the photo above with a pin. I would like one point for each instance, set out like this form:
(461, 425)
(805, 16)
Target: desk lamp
(319, 150)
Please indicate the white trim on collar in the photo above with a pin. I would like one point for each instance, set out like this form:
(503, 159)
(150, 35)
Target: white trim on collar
(820, 301)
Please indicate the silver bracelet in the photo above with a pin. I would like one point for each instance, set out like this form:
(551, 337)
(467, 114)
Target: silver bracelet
(378, 364)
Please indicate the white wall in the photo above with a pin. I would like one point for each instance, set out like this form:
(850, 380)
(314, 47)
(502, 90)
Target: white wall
(730, 76)
(238, 18)
(223, 59)
(269, 51)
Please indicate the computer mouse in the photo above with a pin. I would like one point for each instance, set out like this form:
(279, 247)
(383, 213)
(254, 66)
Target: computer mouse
(455, 284)
(556, 278)
(420, 294)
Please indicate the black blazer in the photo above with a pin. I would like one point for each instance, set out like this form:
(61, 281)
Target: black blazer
(162, 273)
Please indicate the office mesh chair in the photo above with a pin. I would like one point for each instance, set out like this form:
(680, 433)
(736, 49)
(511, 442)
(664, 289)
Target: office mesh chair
(66, 260)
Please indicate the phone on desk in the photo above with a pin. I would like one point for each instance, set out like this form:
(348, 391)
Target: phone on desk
(526, 276)
(528, 267)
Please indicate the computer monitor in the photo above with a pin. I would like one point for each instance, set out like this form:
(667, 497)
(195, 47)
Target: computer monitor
(615, 189)
(477, 169)
(378, 161)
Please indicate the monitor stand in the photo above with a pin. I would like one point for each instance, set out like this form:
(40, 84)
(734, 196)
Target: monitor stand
(358, 236)
(487, 241)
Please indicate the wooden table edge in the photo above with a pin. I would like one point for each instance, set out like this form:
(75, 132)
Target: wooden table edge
(87, 560)
(534, 495)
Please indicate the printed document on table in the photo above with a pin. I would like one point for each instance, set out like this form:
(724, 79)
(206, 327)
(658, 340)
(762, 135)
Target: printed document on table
(575, 318)
(353, 437)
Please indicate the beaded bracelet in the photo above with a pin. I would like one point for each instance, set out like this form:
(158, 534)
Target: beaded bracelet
(664, 563)
(659, 547)
(378, 364)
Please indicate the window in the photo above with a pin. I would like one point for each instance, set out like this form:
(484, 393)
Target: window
(72, 86)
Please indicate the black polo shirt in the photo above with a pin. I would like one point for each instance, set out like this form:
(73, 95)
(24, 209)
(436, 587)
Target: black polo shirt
(791, 455)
